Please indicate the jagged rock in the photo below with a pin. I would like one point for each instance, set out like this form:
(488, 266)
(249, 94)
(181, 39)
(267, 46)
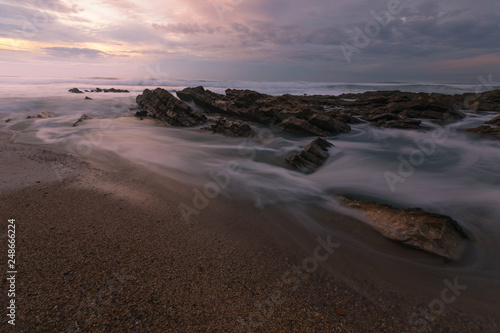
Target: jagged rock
(326, 123)
(495, 121)
(433, 233)
(162, 105)
(227, 127)
(88, 98)
(113, 90)
(98, 90)
(404, 104)
(210, 101)
(75, 91)
(141, 114)
(287, 111)
(82, 118)
(486, 101)
(485, 130)
(244, 98)
(43, 115)
(297, 125)
(311, 157)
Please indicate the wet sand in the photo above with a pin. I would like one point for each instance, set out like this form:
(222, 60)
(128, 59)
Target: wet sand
(100, 251)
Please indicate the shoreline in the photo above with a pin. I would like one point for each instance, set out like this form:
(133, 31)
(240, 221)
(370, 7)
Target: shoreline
(113, 254)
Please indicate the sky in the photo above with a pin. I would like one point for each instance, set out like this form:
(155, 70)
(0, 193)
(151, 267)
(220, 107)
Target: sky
(252, 40)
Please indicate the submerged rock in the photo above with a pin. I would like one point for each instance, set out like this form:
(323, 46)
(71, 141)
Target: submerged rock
(227, 127)
(495, 121)
(43, 115)
(433, 233)
(485, 130)
(82, 118)
(75, 91)
(163, 106)
(88, 98)
(311, 157)
(113, 90)
(486, 101)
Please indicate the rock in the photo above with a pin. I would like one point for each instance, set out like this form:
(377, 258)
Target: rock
(311, 157)
(433, 233)
(7, 120)
(222, 125)
(113, 90)
(403, 104)
(486, 101)
(210, 101)
(141, 114)
(244, 98)
(43, 115)
(329, 124)
(75, 91)
(495, 121)
(98, 90)
(485, 130)
(297, 125)
(82, 118)
(88, 98)
(163, 106)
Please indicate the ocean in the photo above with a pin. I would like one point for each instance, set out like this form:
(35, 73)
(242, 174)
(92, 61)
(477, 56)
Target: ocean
(455, 174)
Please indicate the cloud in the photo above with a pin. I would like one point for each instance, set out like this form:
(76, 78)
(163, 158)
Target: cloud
(73, 52)
(297, 33)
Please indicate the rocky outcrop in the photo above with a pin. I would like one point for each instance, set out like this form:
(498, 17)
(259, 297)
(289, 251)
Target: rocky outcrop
(287, 111)
(162, 105)
(82, 119)
(227, 127)
(402, 104)
(75, 91)
(311, 157)
(111, 90)
(488, 130)
(391, 120)
(495, 121)
(210, 101)
(485, 130)
(88, 98)
(433, 233)
(43, 115)
(486, 101)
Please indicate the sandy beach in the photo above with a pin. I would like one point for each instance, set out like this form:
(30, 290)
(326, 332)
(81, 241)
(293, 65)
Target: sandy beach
(103, 250)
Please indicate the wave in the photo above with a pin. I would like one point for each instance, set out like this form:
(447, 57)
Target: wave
(272, 88)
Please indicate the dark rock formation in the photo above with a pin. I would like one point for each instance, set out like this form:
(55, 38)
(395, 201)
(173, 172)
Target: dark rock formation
(113, 90)
(287, 111)
(162, 105)
(403, 104)
(7, 120)
(495, 121)
(227, 127)
(210, 101)
(88, 98)
(311, 157)
(43, 115)
(82, 118)
(486, 101)
(75, 91)
(433, 233)
(485, 130)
